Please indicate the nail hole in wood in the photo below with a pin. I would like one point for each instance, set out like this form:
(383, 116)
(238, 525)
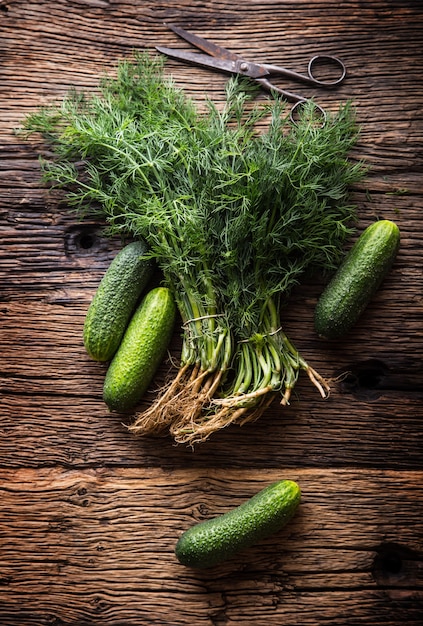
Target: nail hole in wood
(395, 564)
(81, 241)
(364, 379)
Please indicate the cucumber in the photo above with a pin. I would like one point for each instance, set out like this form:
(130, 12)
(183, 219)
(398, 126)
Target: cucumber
(115, 300)
(357, 279)
(141, 351)
(215, 540)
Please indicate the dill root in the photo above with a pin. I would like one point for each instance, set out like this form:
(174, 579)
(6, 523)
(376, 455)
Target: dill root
(237, 205)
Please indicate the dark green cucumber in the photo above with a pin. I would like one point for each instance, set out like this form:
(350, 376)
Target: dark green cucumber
(215, 540)
(115, 300)
(357, 279)
(141, 351)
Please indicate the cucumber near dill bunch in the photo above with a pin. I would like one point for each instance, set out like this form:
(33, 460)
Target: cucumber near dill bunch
(236, 203)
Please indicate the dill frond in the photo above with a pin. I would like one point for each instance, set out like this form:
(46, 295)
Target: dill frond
(234, 216)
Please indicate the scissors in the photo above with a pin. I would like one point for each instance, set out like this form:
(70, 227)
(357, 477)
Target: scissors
(219, 58)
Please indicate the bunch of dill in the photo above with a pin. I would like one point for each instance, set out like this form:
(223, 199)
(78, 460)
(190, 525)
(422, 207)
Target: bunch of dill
(233, 215)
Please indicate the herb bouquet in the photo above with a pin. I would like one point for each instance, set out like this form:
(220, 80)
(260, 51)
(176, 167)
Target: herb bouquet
(236, 205)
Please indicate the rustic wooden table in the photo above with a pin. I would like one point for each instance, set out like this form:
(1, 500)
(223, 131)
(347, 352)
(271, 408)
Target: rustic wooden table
(89, 515)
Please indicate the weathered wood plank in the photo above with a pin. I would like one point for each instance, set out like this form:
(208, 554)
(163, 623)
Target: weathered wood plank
(350, 542)
(385, 433)
(89, 515)
(54, 393)
(333, 30)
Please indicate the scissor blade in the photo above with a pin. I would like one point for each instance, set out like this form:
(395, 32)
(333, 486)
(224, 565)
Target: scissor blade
(252, 70)
(203, 60)
(203, 44)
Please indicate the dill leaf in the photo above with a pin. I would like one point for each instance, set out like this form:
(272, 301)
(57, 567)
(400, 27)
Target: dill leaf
(237, 204)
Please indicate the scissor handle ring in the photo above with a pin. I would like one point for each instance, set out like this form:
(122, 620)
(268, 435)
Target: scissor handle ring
(301, 103)
(331, 59)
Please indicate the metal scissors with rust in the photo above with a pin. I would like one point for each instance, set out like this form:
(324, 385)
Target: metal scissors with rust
(219, 58)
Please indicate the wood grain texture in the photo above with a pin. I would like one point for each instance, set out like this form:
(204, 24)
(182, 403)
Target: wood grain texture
(102, 543)
(89, 515)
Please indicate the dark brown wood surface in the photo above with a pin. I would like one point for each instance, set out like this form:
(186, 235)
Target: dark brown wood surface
(89, 515)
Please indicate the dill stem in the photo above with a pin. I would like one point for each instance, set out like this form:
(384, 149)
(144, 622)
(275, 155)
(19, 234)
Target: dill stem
(244, 371)
(234, 218)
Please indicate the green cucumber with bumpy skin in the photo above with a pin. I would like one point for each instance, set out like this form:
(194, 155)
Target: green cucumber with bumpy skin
(357, 279)
(141, 351)
(215, 540)
(115, 300)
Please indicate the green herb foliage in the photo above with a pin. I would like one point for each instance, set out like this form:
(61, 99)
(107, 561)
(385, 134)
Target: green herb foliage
(236, 203)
